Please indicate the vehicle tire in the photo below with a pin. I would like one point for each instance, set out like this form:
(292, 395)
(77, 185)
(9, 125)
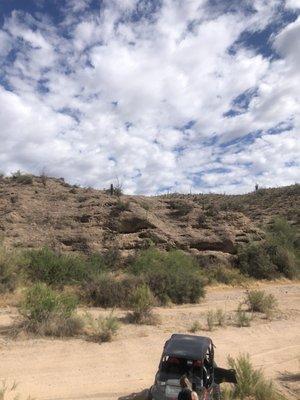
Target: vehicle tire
(149, 395)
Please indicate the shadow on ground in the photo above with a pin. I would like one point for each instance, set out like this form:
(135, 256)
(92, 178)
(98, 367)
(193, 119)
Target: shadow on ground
(136, 396)
(289, 377)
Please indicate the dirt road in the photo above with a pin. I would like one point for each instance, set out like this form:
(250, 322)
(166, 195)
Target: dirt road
(76, 369)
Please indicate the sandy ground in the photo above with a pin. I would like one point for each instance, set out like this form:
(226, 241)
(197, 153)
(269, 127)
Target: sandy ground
(76, 369)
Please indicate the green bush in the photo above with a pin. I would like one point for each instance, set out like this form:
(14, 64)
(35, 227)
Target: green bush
(8, 273)
(282, 233)
(228, 276)
(260, 301)
(255, 261)
(105, 290)
(277, 256)
(98, 263)
(212, 210)
(170, 275)
(284, 259)
(53, 268)
(122, 205)
(24, 179)
(112, 258)
(50, 313)
(181, 208)
(102, 329)
(142, 302)
(251, 383)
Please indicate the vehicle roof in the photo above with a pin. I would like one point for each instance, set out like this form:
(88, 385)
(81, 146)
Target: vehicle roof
(187, 346)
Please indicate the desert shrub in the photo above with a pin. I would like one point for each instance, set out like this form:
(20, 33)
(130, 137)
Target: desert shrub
(284, 259)
(228, 276)
(48, 312)
(227, 392)
(82, 199)
(181, 208)
(24, 179)
(54, 268)
(97, 263)
(59, 326)
(260, 301)
(8, 273)
(254, 260)
(220, 317)
(105, 290)
(283, 245)
(210, 320)
(146, 206)
(276, 256)
(122, 205)
(170, 275)
(142, 302)
(242, 318)
(215, 318)
(201, 221)
(230, 205)
(102, 329)
(195, 327)
(118, 191)
(43, 178)
(251, 383)
(212, 210)
(282, 233)
(112, 257)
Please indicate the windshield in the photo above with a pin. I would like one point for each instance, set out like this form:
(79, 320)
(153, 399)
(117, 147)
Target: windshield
(174, 368)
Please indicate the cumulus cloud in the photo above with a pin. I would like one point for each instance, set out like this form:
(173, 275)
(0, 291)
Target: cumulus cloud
(149, 93)
(293, 4)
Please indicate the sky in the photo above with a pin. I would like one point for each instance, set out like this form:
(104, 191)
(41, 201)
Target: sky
(158, 96)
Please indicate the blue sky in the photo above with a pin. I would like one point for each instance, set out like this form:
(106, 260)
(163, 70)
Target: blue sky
(179, 95)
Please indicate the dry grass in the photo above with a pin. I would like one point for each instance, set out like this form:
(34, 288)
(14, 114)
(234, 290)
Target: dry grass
(102, 329)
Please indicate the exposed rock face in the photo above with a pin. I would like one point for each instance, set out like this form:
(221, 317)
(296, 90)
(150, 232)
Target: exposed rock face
(77, 219)
(134, 224)
(224, 245)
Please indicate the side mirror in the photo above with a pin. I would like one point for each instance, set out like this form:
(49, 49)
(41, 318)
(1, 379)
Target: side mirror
(225, 375)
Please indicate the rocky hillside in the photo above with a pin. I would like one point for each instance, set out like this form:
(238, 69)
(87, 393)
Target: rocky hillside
(47, 211)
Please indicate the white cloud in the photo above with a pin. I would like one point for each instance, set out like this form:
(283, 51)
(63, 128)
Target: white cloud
(5, 44)
(292, 4)
(116, 98)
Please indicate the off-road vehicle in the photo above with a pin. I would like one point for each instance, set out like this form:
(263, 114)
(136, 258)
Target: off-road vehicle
(192, 356)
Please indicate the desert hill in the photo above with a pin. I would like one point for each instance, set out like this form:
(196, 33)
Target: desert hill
(38, 211)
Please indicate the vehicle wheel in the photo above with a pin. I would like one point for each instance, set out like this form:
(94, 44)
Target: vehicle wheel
(149, 395)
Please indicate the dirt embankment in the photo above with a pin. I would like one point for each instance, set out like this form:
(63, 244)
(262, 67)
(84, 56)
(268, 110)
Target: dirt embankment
(75, 369)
